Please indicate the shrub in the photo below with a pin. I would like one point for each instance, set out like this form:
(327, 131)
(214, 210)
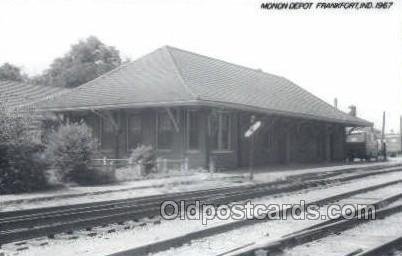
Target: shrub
(70, 149)
(144, 156)
(22, 168)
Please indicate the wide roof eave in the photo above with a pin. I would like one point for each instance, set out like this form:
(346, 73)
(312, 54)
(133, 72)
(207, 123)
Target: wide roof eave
(208, 103)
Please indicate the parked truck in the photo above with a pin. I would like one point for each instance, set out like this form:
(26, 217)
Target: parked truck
(362, 143)
(393, 142)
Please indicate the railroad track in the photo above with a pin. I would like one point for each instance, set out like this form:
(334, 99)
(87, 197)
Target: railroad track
(26, 224)
(294, 178)
(208, 232)
(292, 240)
(391, 247)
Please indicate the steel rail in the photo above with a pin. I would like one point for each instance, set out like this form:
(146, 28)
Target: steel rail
(384, 249)
(297, 238)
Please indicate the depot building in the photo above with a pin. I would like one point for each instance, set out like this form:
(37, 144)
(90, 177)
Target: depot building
(186, 105)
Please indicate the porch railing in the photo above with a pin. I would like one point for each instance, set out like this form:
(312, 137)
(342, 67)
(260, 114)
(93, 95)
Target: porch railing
(162, 164)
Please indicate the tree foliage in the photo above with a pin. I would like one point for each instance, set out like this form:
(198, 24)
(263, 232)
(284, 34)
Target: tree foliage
(85, 61)
(11, 72)
(16, 124)
(22, 169)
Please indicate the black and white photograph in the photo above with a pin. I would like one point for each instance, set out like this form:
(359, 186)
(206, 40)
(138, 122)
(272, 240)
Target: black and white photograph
(200, 127)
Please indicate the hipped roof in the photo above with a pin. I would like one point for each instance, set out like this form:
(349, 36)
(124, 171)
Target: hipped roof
(171, 77)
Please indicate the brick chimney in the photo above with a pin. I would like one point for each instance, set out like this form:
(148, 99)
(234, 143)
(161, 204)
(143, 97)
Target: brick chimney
(336, 102)
(352, 111)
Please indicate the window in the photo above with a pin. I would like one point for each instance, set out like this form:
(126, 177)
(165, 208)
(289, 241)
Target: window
(193, 138)
(134, 131)
(165, 131)
(269, 140)
(93, 122)
(220, 125)
(108, 136)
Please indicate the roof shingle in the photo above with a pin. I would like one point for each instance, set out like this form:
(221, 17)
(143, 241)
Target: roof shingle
(170, 76)
(19, 94)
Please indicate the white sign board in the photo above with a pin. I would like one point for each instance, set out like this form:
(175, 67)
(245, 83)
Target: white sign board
(252, 129)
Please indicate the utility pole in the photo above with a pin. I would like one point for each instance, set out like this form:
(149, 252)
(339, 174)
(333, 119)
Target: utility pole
(384, 146)
(252, 157)
(400, 128)
(252, 142)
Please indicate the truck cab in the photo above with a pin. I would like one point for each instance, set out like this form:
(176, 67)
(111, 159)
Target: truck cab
(363, 144)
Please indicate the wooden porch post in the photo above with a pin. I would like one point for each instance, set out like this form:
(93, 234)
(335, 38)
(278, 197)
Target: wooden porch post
(328, 146)
(288, 146)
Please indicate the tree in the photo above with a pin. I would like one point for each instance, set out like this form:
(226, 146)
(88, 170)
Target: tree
(21, 167)
(15, 124)
(10, 72)
(85, 61)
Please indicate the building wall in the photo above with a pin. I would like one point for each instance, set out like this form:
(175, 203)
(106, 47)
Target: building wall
(339, 140)
(148, 117)
(228, 159)
(280, 140)
(285, 140)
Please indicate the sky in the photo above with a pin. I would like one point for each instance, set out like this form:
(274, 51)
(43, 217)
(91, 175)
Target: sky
(353, 55)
